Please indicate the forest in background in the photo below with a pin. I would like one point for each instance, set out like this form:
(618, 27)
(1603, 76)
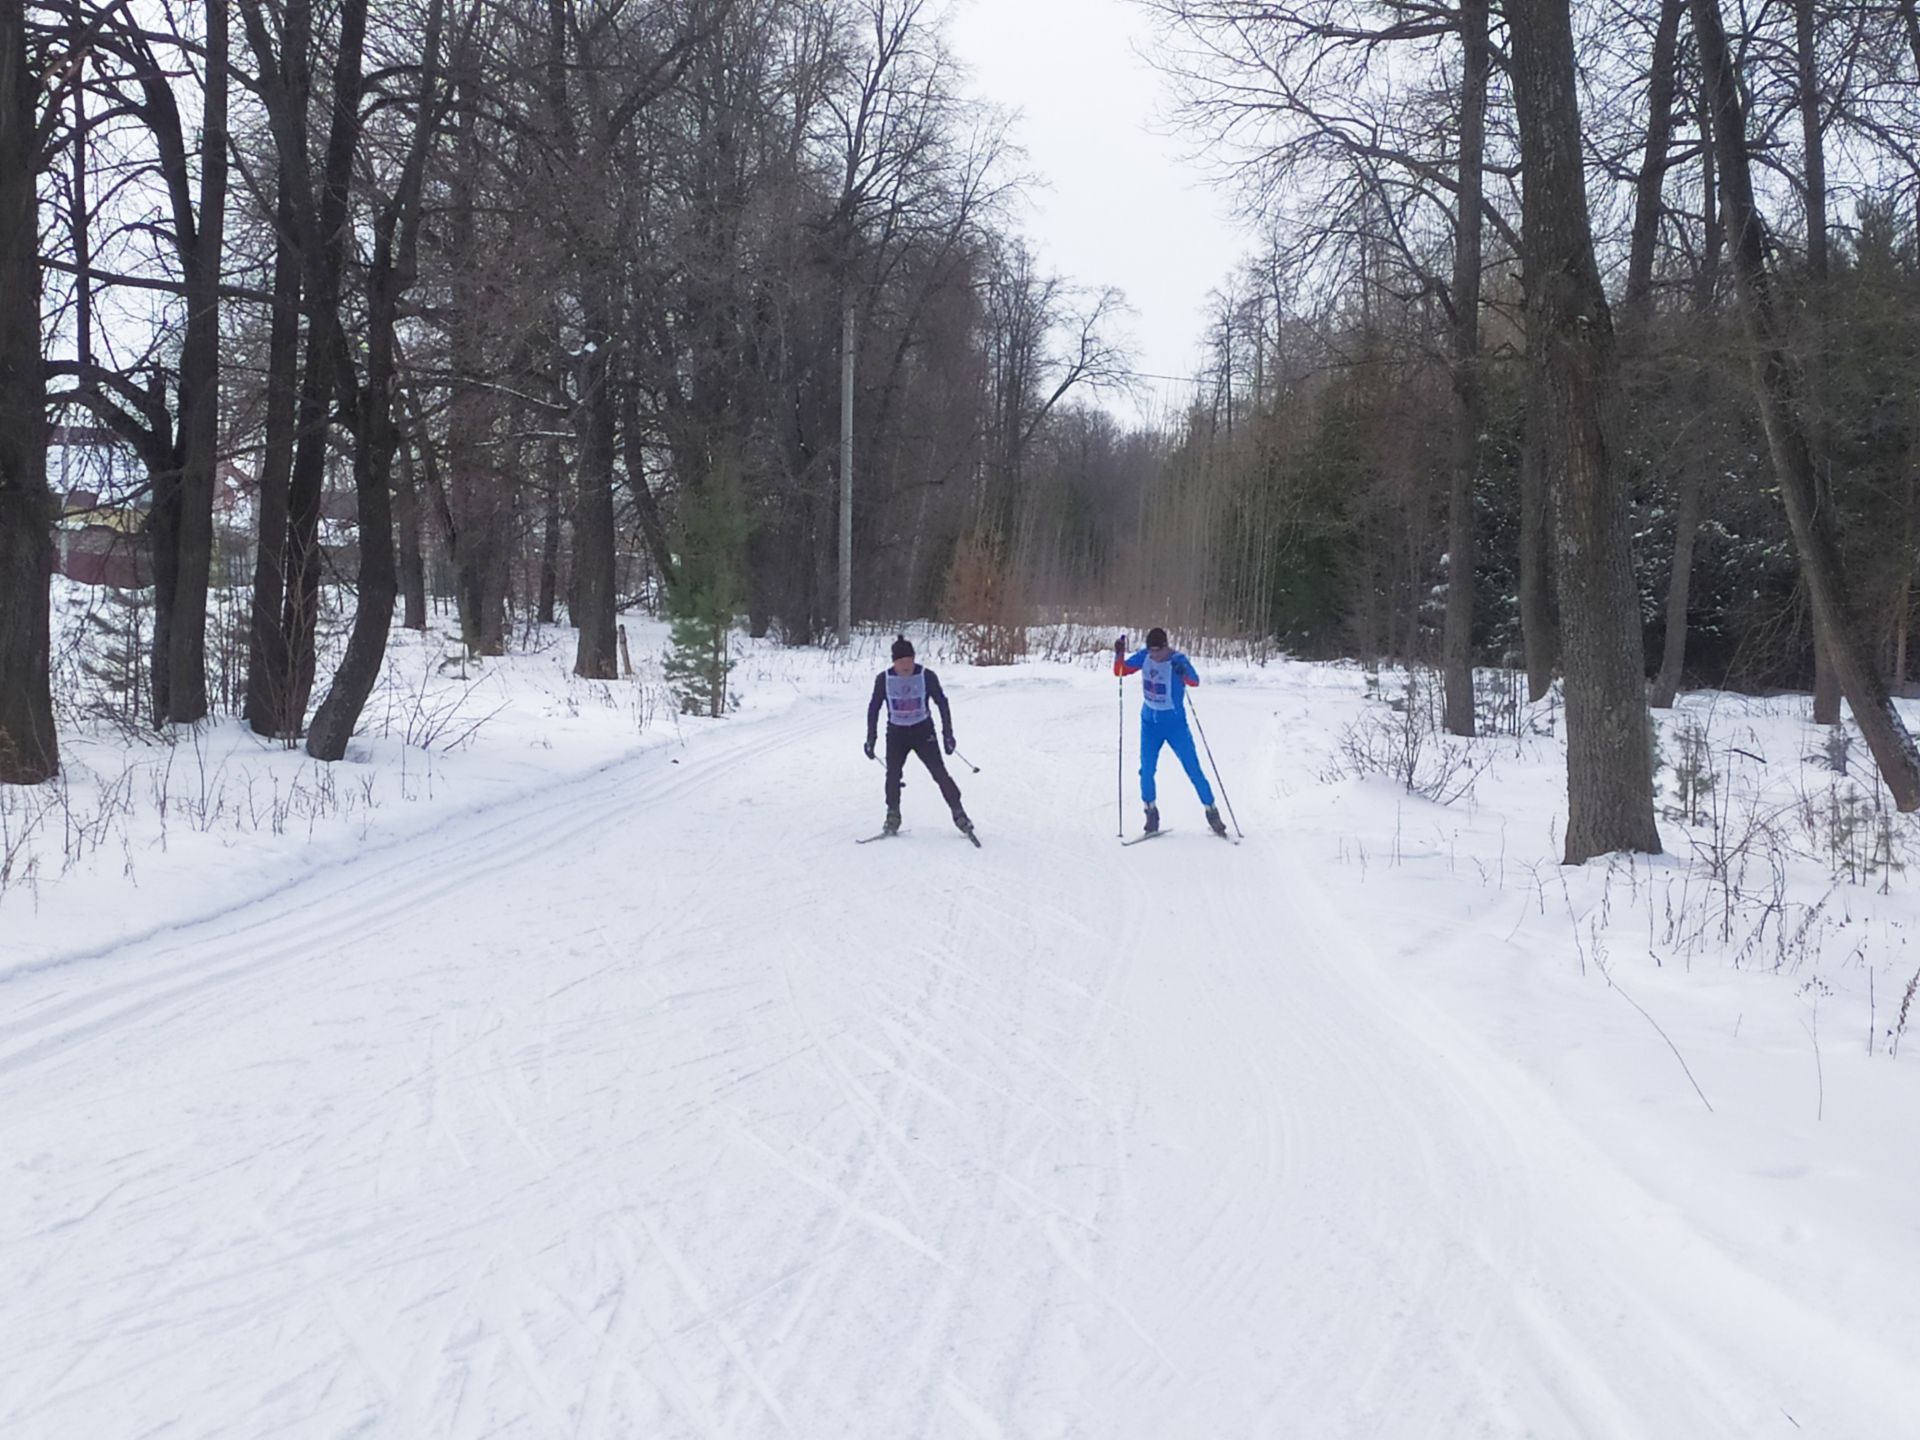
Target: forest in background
(1577, 341)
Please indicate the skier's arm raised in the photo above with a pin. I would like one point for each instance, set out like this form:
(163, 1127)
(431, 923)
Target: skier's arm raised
(1183, 667)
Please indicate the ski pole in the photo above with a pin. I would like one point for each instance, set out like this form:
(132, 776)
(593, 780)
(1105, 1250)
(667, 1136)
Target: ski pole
(962, 756)
(1120, 747)
(1216, 768)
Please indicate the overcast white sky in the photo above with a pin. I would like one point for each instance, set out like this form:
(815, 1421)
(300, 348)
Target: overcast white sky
(1119, 206)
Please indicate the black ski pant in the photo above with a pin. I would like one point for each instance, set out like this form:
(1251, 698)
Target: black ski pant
(905, 740)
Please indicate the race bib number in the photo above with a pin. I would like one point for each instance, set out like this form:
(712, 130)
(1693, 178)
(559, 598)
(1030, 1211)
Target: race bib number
(1156, 683)
(907, 698)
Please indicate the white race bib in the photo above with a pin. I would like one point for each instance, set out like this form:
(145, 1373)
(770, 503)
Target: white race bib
(907, 698)
(1156, 683)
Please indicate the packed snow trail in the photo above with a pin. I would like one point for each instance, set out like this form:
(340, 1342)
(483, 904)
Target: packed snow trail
(653, 1107)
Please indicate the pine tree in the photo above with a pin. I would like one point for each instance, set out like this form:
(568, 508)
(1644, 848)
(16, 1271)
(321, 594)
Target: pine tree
(705, 597)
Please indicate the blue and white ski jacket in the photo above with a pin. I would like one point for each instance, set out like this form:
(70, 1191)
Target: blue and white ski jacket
(1163, 686)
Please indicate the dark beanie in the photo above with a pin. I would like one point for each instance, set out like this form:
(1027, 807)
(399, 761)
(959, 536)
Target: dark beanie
(903, 648)
(1156, 637)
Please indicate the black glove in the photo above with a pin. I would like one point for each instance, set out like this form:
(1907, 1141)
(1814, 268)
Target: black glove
(1120, 648)
(948, 742)
(869, 748)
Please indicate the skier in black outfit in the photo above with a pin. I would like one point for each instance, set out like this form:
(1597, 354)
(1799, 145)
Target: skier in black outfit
(905, 688)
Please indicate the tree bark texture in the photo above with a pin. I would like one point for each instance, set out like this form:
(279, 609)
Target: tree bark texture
(376, 437)
(1686, 531)
(321, 224)
(1457, 640)
(202, 243)
(413, 565)
(594, 533)
(1609, 745)
(268, 660)
(1539, 633)
(29, 747)
(1692, 509)
(1826, 679)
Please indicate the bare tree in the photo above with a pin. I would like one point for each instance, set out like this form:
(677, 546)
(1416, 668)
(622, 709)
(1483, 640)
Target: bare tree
(1835, 618)
(316, 209)
(1464, 302)
(132, 70)
(1609, 746)
(29, 747)
(1826, 680)
(1691, 512)
(376, 434)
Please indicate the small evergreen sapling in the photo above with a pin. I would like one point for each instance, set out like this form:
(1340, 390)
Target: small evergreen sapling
(704, 598)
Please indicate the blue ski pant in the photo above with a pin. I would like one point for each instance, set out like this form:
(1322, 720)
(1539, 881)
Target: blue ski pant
(1180, 740)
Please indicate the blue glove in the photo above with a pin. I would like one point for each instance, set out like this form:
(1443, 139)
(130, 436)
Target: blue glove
(949, 742)
(869, 749)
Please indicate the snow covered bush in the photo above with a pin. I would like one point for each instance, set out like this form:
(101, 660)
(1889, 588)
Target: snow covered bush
(1401, 739)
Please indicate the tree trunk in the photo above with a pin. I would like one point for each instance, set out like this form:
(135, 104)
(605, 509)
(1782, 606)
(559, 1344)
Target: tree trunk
(1903, 608)
(594, 536)
(203, 251)
(163, 541)
(653, 525)
(300, 606)
(1457, 643)
(550, 538)
(1609, 747)
(1693, 481)
(1637, 299)
(375, 441)
(1834, 616)
(29, 746)
(413, 565)
(268, 660)
(1686, 529)
(376, 438)
(321, 223)
(1826, 680)
(467, 502)
(1539, 636)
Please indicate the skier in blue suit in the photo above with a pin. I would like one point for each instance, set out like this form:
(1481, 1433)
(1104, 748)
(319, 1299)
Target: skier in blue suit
(1165, 674)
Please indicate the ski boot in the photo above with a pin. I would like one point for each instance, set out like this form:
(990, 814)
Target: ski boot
(1213, 819)
(1153, 819)
(892, 827)
(965, 825)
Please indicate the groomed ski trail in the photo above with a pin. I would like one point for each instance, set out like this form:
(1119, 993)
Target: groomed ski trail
(650, 1107)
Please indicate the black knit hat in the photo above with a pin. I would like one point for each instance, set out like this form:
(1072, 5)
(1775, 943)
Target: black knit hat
(1156, 638)
(903, 648)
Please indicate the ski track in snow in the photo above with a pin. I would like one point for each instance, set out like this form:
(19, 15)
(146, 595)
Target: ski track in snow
(651, 1107)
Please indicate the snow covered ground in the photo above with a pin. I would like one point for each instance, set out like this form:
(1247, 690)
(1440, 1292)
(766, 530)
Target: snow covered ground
(593, 1083)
